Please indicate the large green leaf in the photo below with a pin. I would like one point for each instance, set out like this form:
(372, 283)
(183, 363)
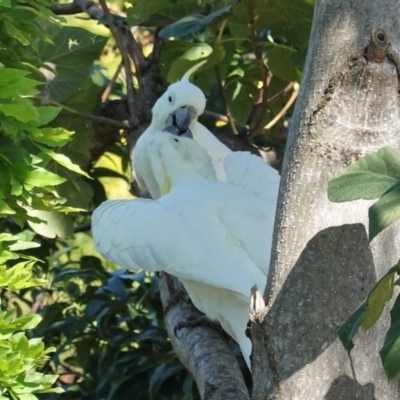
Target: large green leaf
(191, 57)
(192, 23)
(390, 352)
(370, 310)
(286, 18)
(159, 12)
(368, 178)
(280, 62)
(55, 224)
(385, 211)
(71, 57)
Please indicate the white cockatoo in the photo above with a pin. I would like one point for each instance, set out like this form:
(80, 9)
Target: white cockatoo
(177, 109)
(215, 237)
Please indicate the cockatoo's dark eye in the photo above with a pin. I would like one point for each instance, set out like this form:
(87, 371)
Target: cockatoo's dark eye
(170, 99)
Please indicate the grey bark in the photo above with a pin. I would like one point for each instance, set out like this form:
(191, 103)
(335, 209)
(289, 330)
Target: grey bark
(322, 265)
(202, 349)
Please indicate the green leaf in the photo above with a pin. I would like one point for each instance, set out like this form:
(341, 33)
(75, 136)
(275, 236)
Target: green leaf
(76, 49)
(14, 83)
(370, 310)
(349, 329)
(5, 209)
(64, 161)
(192, 24)
(280, 61)
(55, 224)
(390, 352)
(21, 109)
(54, 137)
(77, 192)
(377, 298)
(42, 178)
(47, 114)
(368, 178)
(385, 211)
(284, 18)
(191, 57)
(159, 13)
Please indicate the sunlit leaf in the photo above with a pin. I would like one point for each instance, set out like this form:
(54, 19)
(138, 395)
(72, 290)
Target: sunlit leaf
(385, 211)
(368, 178)
(369, 310)
(55, 224)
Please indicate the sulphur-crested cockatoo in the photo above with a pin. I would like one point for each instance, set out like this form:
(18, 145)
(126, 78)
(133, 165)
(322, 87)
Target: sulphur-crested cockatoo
(178, 109)
(214, 236)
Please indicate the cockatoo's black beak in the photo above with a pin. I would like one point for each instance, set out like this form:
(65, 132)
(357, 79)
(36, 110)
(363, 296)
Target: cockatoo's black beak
(178, 122)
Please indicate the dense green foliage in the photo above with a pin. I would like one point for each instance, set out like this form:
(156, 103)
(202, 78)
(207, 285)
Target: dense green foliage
(375, 176)
(103, 326)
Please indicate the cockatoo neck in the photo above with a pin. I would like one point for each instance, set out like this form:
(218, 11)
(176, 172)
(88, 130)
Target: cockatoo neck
(179, 161)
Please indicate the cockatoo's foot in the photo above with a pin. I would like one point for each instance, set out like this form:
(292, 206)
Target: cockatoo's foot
(195, 323)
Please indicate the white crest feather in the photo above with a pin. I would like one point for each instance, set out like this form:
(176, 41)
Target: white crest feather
(192, 70)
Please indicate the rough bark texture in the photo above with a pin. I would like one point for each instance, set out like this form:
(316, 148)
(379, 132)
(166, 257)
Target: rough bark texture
(322, 265)
(203, 350)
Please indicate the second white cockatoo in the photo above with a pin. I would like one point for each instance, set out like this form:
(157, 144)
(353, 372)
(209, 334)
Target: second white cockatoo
(215, 237)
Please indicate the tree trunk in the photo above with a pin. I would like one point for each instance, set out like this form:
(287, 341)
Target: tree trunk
(322, 264)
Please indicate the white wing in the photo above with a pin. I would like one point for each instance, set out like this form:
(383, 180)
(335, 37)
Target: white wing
(142, 165)
(216, 149)
(152, 235)
(253, 174)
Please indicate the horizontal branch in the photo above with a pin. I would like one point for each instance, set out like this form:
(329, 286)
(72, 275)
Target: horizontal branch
(77, 7)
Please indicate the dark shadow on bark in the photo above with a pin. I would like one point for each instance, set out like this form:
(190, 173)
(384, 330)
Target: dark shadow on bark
(326, 284)
(345, 388)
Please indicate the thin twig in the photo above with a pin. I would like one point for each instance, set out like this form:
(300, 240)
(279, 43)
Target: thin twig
(218, 117)
(111, 84)
(265, 73)
(125, 59)
(225, 102)
(280, 94)
(281, 113)
(96, 118)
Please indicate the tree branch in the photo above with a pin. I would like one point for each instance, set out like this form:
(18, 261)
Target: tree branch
(77, 7)
(111, 84)
(203, 350)
(125, 59)
(266, 75)
(280, 114)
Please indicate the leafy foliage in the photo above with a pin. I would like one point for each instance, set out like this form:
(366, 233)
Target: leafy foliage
(376, 175)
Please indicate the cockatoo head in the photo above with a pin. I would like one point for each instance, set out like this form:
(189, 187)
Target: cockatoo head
(178, 108)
